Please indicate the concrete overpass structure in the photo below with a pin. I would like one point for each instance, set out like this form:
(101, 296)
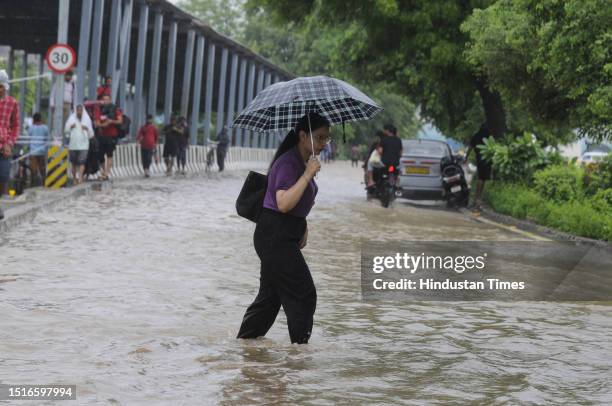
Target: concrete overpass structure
(161, 60)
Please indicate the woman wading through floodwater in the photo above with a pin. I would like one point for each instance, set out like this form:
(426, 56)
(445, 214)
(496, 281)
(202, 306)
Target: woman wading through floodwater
(282, 232)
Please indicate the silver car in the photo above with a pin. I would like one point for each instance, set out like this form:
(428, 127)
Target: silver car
(420, 176)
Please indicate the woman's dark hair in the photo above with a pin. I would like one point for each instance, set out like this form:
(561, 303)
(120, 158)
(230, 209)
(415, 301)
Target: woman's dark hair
(37, 118)
(291, 140)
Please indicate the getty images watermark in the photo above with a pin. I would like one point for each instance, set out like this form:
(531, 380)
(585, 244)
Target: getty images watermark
(479, 270)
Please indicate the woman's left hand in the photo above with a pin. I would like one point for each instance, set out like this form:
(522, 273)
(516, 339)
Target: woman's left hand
(304, 239)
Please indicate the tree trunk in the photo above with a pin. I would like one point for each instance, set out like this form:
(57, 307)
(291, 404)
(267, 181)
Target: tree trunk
(493, 108)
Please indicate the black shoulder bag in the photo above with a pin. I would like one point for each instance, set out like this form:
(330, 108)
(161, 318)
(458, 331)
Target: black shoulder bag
(251, 197)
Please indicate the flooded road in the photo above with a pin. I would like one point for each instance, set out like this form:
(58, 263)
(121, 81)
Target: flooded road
(136, 294)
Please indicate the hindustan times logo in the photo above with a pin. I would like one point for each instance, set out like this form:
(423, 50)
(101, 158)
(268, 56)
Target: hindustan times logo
(413, 263)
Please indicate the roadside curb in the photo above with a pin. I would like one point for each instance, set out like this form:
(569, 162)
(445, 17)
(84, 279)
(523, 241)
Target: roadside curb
(527, 226)
(14, 216)
(18, 215)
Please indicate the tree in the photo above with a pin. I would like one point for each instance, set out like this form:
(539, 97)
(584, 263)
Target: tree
(224, 16)
(551, 58)
(305, 50)
(416, 46)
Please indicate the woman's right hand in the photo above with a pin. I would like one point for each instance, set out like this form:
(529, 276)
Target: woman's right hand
(312, 168)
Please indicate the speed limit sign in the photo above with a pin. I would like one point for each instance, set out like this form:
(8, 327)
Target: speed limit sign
(60, 58)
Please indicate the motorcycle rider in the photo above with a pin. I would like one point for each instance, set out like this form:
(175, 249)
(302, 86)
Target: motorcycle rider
(391, 150)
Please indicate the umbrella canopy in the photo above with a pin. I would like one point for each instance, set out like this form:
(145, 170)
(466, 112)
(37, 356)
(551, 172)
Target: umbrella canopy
(281, 105)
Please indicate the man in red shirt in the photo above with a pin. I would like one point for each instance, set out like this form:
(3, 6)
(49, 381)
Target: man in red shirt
(108, 118)
(9, 131)
(147, 138)
(105, 89)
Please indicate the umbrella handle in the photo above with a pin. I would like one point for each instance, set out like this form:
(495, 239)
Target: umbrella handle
(310, 130)
(311, 140)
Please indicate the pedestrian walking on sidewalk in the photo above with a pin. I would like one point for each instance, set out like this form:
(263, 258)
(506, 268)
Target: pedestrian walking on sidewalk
(171, 134)
(147, 139)
(354, 156)
(9, 131)
(108, 119)
(79, 129)
(68, 98)
(106, 89)
(182, 145)
(282, 232)
(39, 137)
(483, 167)
(222, 144)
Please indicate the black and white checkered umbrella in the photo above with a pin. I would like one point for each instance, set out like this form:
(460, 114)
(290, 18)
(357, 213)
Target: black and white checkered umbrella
(281, 105)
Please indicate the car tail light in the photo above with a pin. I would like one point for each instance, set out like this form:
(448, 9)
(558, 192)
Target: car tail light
(428, 162)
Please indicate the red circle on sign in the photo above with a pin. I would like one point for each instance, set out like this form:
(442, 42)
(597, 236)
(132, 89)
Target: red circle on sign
(60, 67)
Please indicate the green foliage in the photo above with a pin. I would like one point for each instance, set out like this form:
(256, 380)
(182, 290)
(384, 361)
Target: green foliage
(415, 46)
(602, 201)
(582, 218)
(30, 85)
(599, 176)
(307, 50)
(549, 59)
(560, 183)
(224, 16)
(515, 159)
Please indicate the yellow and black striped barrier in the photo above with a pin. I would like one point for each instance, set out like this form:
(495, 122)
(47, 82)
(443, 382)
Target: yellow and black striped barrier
(57, 167)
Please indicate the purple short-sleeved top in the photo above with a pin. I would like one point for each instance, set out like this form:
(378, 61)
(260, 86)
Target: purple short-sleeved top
(284, 173)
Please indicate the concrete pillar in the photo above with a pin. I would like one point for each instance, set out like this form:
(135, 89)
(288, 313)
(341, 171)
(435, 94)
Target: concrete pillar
(157, 38)
(276, 135)
(11, 68)
(143, 26)
(221, 96)
(231, 100)
(113, 37)
(241, 91)
(170, 63)
(210, 72)
(84, 32)
(259, 136)
(96, 44)
(126, 40)
(41, 69)
(268, 135)
(187, 73)
(250, 85)
(197, 92)
(23, 86)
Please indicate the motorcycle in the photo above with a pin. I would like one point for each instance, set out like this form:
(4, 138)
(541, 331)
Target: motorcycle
(456, 191)
(385, 188)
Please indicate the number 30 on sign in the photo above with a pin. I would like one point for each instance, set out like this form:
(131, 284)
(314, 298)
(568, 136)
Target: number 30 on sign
(60, 58)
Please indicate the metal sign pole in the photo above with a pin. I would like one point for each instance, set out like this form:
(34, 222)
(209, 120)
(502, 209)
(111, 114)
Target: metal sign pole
(62, 38)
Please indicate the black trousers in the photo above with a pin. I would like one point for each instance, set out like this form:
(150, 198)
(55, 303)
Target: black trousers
(221, 158)
(146, 157)
(284, 279)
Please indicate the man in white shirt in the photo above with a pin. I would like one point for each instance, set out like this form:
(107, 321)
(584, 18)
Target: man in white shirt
(69, 95)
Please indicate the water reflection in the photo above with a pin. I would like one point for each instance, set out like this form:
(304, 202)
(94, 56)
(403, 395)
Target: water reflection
(136, 296)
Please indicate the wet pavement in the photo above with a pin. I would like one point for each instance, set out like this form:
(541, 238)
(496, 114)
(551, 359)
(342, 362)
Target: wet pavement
(135, 295)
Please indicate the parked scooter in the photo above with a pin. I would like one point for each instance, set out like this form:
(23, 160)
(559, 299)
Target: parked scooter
(456, 190)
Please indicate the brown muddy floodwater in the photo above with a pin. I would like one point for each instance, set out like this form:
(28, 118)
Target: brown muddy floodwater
(135, 295)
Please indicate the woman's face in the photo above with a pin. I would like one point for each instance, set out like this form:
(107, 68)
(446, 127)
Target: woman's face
(320, 138)
(79, 111)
